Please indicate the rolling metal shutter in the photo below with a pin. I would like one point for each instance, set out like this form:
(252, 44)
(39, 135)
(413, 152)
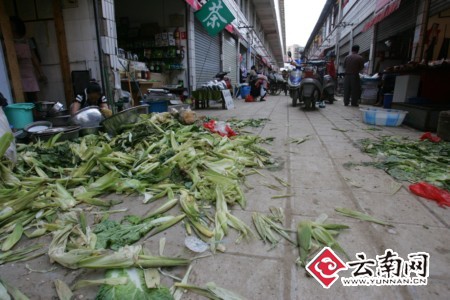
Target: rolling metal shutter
(344, 49)
(230, 57)
(207, 55)
(364, 40)
(437, 6)
(399, 21)
(344, 45)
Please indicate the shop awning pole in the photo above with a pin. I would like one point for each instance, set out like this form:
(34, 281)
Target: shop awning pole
(11, 56)
(104, 81)
(62, 50)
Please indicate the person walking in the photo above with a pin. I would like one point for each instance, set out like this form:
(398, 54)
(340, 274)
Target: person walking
(353, 64)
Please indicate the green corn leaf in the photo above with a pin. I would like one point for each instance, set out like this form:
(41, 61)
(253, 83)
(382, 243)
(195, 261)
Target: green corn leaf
(5, 141)
(304, 236)
(361, 216)
(13, 237)
(63, 291)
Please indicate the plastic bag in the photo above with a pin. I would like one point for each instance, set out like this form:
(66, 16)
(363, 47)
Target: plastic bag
(431, 192)
(430, 137)
(249, 98)
(220, 127)
(11, 153)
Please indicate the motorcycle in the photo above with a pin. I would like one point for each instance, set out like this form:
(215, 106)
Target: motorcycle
(316, 86)
(311, 86)
(276, 84)
(294, 81)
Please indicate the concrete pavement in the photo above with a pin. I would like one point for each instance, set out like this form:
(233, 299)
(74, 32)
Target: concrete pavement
(315, 169)
(320, 183)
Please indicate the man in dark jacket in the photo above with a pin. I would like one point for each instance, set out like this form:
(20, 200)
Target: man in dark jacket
(353, 65)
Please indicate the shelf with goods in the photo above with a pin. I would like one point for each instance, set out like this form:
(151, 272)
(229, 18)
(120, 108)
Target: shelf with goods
(164, 59)
(159, 55)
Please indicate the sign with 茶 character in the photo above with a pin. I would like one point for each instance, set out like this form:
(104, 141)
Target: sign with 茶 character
(214, 16)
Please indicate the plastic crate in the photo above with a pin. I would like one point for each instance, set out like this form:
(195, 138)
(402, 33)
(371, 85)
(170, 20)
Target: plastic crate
(383, 117)
(157, 106)
(245, 91)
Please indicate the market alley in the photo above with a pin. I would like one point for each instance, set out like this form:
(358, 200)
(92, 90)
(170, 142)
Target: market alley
(318, 181)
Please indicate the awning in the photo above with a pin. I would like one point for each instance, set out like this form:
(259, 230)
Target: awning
(383, 9)
(196, 6)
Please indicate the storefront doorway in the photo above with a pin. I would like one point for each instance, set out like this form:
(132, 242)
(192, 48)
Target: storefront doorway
(152, 45)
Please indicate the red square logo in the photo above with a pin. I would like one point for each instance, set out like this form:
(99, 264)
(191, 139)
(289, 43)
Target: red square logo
(325, 266)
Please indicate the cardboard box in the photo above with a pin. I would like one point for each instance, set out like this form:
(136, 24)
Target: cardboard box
(158, 80)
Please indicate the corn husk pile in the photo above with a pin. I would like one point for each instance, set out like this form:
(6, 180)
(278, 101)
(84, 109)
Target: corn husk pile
(314, 235)
(157, 158)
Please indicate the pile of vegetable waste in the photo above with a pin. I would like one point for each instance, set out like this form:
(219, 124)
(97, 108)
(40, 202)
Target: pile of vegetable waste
(158, 158)
(412, 161)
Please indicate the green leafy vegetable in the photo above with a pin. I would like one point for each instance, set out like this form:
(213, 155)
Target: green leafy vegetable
(112, 235)
(410, 160)
(135, 288)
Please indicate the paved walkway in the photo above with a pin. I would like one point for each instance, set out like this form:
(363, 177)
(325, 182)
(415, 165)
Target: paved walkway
(321, 183)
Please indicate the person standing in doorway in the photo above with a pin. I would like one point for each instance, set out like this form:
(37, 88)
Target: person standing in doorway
(30, 69)
(353, 65)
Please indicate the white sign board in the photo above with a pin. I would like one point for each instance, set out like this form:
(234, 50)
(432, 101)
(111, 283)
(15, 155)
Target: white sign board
(229, 103)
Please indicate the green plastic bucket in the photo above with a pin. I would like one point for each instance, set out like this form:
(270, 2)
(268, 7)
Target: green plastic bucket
(19, 115)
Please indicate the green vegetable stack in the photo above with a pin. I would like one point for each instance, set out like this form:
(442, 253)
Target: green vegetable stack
(199, 172)
(412, 161)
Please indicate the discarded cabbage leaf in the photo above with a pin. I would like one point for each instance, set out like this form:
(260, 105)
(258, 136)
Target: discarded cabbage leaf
(135, 288)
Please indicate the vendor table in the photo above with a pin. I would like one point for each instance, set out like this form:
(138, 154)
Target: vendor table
(202, 98)
(144, 85)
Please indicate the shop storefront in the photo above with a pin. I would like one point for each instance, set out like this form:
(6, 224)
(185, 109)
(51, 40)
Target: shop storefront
(363, 38)
(65, 42)
(230, 56)
(207, 55)
(421, 87)
(152, 45)
(437, 38)
(243, 61)
(344, 50)
(395, 34)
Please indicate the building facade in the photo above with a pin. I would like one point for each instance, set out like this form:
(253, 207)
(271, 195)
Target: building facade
(296, 51)
(135, 44)
(389, 32)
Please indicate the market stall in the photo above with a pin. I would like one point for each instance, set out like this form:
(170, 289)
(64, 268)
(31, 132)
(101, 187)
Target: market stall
(422, 87)
(152, 46)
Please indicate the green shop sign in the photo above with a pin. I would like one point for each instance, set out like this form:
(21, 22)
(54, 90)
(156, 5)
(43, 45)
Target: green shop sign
(214, 16)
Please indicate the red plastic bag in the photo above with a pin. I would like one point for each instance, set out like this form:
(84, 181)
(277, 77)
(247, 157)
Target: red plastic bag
(430, 137)
(249, 98)
(431, 192)
(221, 128)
